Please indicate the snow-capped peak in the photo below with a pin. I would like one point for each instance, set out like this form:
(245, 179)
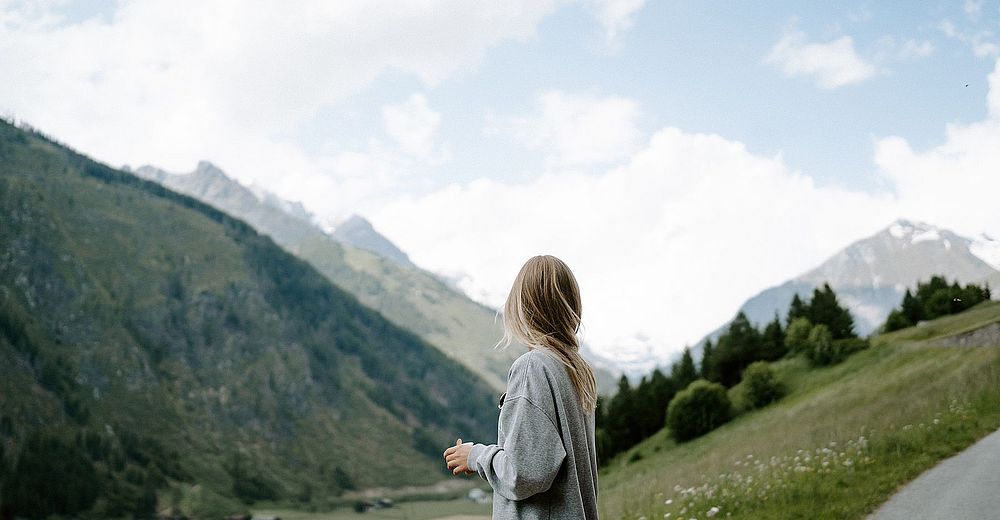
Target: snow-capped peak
(914, 231)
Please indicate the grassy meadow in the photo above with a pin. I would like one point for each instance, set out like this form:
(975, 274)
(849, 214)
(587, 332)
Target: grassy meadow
(459, 509)
(840, 443)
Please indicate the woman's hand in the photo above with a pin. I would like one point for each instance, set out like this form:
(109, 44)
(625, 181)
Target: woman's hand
(457, 458)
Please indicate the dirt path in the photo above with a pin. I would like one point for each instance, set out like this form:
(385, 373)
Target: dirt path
(966, 486)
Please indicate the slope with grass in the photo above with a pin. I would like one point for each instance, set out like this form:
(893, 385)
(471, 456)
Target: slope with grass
(408, 296)
(838, 445)
(180, 350)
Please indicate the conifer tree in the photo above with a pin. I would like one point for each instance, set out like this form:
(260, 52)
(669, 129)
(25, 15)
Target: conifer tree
(663, 391)
(736, 349)
(913, 311)
(773, 341)
(621, 412)
(683, 372)
(825, 309)
(707, 369)
(797, 309)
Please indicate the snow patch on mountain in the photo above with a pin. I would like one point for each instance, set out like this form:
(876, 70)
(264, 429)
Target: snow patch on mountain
(987, 249)
(926, 236)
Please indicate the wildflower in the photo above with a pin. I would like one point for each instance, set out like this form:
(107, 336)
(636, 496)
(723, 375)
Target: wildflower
(668, 502)
(713, 511)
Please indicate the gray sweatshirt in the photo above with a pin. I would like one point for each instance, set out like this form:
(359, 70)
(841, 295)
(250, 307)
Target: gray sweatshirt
(544, 464)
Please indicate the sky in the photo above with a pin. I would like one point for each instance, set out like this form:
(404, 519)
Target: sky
(679, 156)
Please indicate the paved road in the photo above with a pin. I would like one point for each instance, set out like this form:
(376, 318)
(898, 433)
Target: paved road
(966, 486)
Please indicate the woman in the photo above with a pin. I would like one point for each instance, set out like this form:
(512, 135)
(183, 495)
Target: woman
(544, 464)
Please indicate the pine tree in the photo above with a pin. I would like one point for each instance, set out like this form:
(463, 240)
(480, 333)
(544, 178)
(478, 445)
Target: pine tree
(826, 310)
(773, 341)
(707, 368)
(663, 391)
(643, 420)
(736, 349)
(912, 309)
(683, 372)
(797, 309)
(620, 416)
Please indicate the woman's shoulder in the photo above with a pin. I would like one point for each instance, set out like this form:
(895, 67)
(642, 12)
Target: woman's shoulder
(533, 368)
(533, 360)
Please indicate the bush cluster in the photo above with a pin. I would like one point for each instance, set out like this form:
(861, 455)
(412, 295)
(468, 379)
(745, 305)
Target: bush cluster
(761, 386)
(698, 409)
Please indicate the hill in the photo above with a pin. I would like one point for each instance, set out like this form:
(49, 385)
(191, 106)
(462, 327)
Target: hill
(407, 296)
(839, 444)
(149, 342)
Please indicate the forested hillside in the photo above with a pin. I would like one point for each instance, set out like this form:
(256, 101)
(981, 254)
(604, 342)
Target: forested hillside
(156, 353)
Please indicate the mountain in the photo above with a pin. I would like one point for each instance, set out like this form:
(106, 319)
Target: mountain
(358, 232)
(405, 294)
(871, 275)
(150, 342)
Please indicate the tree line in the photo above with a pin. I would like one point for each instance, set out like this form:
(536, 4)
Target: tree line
(933, 299)
(693, 399)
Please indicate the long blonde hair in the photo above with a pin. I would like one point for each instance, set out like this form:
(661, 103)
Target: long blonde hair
(543, 311)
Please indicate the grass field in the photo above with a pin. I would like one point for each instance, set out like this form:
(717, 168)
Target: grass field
(839, 445)
(423, 510)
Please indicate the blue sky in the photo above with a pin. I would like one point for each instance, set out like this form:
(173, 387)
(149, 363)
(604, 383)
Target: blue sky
(702, 69)
(681, 156)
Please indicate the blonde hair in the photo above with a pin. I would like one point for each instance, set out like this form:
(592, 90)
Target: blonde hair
(543, 311)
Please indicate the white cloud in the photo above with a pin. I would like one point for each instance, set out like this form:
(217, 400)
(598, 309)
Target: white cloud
(578, 130)
(915, 49)
(833, 64)
(888, 48)
(235, 82)
(412, 124)
(666, 247)
(982, 43)
(973, 8)
(616, 17)
(955, 184)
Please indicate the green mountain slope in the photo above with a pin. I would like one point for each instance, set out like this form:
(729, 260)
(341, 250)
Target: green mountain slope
(841, 443)
(189, 349)
(408, 296)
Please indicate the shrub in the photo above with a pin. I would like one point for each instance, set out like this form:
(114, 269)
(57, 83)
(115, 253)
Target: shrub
(819, 346)
(698, 409)
(843, 348)
(823, 350)
(761, 386)
(797, 335)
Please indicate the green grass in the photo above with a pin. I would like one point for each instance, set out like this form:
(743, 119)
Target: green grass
(423, 510)
(892, 411)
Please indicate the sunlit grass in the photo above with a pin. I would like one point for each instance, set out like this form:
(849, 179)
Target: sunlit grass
(891, 411)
